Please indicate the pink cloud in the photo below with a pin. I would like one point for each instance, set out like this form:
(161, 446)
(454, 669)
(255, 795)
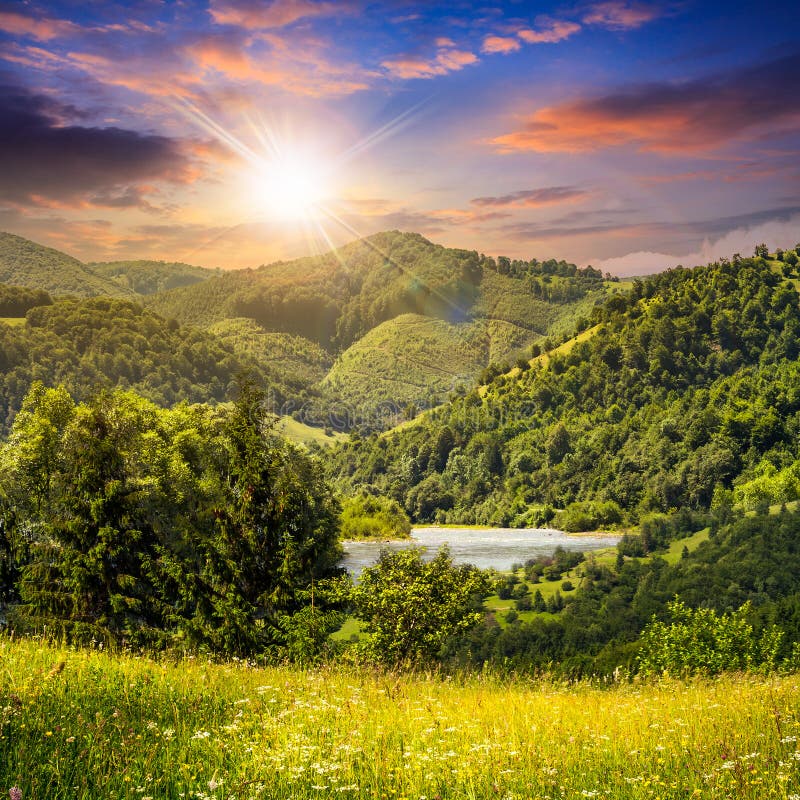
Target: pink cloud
(446, 60)
(277, 14)
(621, 15)
(549, 33)
(301, 68)
(42, 29)
(500, 44)
(534, 198)
(693, 117)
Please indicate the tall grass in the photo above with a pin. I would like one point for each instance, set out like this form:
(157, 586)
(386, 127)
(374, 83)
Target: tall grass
(81, 724)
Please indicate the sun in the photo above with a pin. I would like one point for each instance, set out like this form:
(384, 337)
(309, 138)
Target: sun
(291, 187)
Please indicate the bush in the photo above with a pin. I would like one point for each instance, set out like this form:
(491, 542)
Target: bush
(578, 517)
(700, 640)
(366, 516)
(524, 603)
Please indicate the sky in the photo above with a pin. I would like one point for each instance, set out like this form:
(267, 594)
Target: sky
(628, 135)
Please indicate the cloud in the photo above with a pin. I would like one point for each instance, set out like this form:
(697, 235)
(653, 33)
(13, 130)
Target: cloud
(534, 198)
(549, 32)
(641, 262)
(618, 15)
(500, 44)
(259, 15)
(42, 29)
(775, 233)
(379, 214)
(297, 66)
(447, 59)
(46, 161)
(691, 117)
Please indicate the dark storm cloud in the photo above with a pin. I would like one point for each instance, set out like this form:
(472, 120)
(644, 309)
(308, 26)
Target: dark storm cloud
(46, 158)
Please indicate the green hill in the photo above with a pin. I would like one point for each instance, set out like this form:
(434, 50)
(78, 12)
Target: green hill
(25, 263)
(367, 302)
(684, 395)
(377, 325)
(410, 359)
(149, 277)
(102, 341)
(338, 297)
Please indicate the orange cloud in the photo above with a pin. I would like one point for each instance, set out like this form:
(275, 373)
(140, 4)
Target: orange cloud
(500, 44)
(278, 14)
(42, 29)
(446, 60)
(621, 15)
(298, 69)
(533, 198)
(696, 116)
(550, 33)
(136, 76)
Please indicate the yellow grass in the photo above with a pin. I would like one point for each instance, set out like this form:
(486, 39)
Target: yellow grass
(87, 725)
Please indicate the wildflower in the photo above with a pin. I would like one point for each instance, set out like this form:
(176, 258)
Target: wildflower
(15, 793)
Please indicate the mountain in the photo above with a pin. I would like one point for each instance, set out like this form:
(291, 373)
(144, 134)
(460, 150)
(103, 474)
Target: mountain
(86, 344)
(681, 393)
(406, 320)
(150, 277)
(25, 263)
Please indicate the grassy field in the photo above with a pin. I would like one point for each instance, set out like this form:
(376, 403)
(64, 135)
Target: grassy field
(86, 725)
(409, 359)
(13, 321)
(301, 433)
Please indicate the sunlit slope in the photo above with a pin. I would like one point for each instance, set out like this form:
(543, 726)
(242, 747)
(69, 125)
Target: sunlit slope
(406, 320)
(337, 297)
(680, 393)
(148, 277)
(409, 359)
(25, 263)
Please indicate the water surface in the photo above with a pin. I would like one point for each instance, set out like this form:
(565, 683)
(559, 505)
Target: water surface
(490, 547)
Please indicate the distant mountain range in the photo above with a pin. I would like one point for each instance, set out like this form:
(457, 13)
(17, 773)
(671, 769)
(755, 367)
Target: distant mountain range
(26, 263)
(374, 330)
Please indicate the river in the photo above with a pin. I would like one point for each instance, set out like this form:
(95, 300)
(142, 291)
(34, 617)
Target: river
(488, 547)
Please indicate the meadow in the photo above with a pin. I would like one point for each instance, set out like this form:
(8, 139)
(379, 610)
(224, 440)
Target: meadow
(86, 724)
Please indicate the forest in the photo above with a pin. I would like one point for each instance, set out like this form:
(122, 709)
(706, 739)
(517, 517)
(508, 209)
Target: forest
(682, 393)
(672, 412)
(355, 339)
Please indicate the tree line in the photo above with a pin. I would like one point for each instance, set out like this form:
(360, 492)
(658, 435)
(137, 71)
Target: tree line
(684, 395)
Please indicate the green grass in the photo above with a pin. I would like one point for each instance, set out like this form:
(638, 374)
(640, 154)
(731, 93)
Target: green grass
(86, 725)
(351, 627)
(13, 321)
(409, 359)
(792, 505)
(301, 433)
(675, 549)
(605, 557)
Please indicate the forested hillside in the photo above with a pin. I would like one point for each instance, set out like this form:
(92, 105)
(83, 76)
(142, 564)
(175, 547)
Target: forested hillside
(25, 263)
(684, 393)
(150, 277)
(106, 342)
(357, 338)
(408, 321)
